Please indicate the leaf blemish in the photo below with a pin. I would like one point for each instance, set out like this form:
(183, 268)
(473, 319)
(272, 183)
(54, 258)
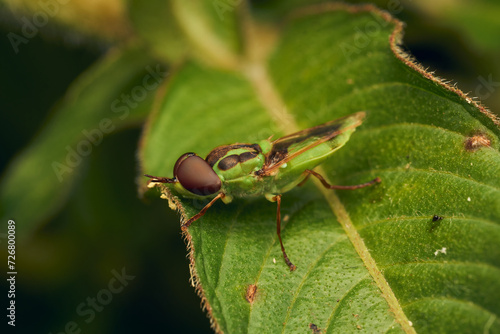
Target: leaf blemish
(251, 291)
(476, 141)
(442, 250)
(436, 218)
(315, 329)
(435, 222)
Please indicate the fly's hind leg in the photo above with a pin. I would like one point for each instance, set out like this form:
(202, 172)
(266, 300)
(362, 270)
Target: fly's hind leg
(331, 186)
(277, 198)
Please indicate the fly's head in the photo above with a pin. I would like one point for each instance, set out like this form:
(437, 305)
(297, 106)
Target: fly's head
(193, 177)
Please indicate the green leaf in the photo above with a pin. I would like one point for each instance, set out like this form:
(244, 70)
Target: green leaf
(111, 95)
(371, 259)
(155, 24)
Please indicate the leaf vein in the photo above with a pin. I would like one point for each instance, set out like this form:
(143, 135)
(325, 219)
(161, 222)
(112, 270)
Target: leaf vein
(426, 219)
(451, 262)
(433, 171)
(331, 317)
(452, 300)
(304, 278)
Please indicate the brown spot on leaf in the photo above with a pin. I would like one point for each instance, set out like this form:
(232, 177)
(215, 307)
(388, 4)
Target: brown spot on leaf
(315, 329)
(435, 223)
(477, 141)
(251, 291)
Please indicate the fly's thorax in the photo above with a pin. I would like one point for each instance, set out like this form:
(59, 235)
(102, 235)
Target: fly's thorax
(235, 165)
(239, 163)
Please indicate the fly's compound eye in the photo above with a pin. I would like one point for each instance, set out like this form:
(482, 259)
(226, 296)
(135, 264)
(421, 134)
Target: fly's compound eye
(196, 175)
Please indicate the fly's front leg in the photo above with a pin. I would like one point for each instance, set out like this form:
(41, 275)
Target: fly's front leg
(277, 198)
(331, 186)
(201, 213)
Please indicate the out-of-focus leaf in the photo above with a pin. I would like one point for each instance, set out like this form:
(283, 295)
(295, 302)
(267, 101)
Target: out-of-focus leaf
(103, 19)
(156, 25)
(115, 93)
(206, 30)
(478, 21)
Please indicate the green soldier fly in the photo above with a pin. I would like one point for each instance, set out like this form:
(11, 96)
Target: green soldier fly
(269, 168)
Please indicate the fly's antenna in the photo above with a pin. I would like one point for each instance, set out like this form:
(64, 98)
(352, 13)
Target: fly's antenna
(160, 179)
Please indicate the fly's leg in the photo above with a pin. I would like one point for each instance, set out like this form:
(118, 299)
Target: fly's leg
(301, 183)
(202, 212)
(330, 186)
(277, 198)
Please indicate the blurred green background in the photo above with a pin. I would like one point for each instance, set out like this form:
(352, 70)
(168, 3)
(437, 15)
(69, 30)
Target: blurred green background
(104, 226)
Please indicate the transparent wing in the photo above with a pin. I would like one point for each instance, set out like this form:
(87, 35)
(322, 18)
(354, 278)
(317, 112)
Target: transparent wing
(286, 148)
